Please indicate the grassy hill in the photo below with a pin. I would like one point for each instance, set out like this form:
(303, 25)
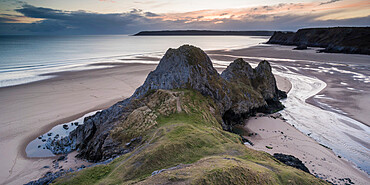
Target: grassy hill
(183, 143)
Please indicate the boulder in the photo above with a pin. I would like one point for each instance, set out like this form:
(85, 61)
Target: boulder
(291, 161)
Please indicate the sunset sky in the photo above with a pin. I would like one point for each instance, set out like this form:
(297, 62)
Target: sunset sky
(130, 16)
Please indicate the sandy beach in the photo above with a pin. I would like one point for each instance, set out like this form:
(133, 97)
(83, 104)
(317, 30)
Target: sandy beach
(30, 110)
(272, 134)
(346, 75)
(281, 137)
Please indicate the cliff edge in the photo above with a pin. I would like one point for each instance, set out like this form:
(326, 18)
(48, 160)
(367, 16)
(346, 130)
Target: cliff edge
(355, 40)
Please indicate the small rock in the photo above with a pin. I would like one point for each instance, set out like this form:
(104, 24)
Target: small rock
(65, 126)
(75, 123)
(61, 158)
(43, 140)
(49, 134)
(301, 47)
(291, 161)
(46, 167)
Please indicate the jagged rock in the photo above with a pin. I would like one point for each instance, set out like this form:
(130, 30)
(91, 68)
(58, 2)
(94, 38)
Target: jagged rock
(291, 161)
(238, 92)
(49, 177)
(65, 127)
(62, 158)
(187, 67)
(301, 47)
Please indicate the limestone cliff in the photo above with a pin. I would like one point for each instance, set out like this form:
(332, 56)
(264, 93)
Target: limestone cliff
(237, 93)
(334, 40)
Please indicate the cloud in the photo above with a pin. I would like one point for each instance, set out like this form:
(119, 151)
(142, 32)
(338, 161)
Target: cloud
(329, 2)
(5, 20)
(54, 21)
(150, 14)
(82, 22)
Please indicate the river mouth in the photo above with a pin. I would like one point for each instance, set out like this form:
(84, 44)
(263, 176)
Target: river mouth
(346, 137)
(37, 148)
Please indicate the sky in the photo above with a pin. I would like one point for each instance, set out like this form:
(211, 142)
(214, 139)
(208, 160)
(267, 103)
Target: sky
(130, 16)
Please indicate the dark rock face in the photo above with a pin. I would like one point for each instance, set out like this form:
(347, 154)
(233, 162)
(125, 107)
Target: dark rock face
(49, 177)
(334, 40)
(283, 38)
(92, 138)
(301, 47)
(256, 90)
(238, 92)
(291, 161)
(186, 67)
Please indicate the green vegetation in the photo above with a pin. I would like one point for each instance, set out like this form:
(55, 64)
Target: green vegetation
(186, 137)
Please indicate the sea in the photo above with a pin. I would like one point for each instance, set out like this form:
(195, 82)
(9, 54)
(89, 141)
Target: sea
(25, 59)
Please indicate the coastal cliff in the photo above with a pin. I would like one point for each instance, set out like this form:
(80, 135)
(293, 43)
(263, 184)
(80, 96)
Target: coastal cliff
(175, 128)
(334, 40)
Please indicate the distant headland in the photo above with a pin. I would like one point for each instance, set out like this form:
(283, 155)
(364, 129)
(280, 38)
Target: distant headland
(335, 40)
(203, 32)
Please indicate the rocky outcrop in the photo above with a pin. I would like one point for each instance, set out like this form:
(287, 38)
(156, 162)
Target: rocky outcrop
(237, 93)
(334, 40)
(187, 67)
(291, 161)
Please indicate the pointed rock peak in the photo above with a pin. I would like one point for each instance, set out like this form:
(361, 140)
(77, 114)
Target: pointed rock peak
(263, 66)
(188, 54)
(241, 64)
(184, 67)
(238, 67)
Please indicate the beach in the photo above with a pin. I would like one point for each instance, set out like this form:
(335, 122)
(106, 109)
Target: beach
(346, 75)
(30, 110)
(276, 136)
(272, 134)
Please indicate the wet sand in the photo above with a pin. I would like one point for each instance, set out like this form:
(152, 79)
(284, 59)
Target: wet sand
(284, 138)
(347, 75)
(281, 137)
(30, 110)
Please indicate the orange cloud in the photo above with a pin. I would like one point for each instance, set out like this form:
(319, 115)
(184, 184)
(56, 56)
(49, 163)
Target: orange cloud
(268, 11)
